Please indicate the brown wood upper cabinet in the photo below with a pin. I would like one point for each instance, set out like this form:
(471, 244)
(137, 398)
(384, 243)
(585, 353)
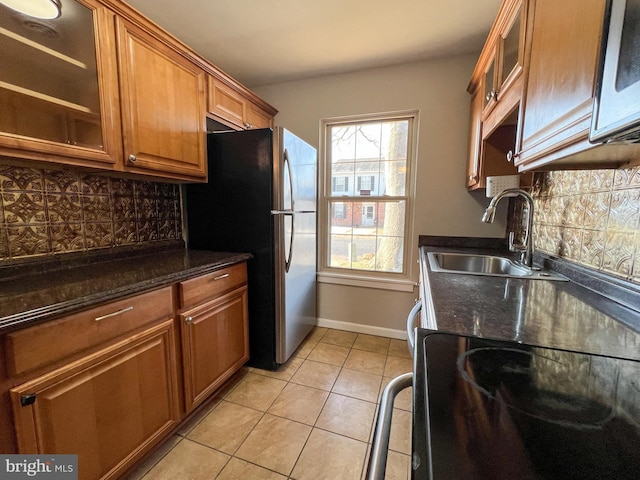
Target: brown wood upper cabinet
(59, 87)
(496, 89)
(561, 73)
(93, 89)
(105, 88)
(505, 54)
(231, 107)
(549, 93)
(163, 114)
(563, 49)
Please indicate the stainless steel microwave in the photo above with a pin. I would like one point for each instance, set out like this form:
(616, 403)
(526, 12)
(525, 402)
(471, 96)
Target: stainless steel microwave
(616, 109)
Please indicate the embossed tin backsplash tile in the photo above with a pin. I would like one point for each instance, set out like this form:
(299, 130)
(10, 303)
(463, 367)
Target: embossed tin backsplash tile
(46, 212)
(591, 217)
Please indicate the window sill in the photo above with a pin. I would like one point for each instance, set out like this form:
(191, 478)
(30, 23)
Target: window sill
(366, 282)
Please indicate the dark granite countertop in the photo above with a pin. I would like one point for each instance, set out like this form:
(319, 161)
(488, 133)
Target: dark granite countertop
(36, 293)
(556, 314)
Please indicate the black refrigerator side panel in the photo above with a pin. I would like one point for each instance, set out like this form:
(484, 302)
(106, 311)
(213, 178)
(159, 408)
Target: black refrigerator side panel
(232, 213)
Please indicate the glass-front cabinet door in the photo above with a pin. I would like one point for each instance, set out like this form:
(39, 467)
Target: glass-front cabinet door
(489, 82)
(511, 51)
(58, 85)
(512, 44)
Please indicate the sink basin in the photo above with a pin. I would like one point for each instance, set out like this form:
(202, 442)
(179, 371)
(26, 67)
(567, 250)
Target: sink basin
(481, 264)
(491, 265)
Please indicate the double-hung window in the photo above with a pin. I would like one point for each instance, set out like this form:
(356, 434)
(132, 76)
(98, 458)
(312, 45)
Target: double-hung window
(367, 195)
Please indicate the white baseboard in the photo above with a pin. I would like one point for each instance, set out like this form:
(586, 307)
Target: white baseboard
(360, 328)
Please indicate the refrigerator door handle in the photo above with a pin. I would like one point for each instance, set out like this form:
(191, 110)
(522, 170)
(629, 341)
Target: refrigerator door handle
(285, 160)
(282, 212)
(291, 213)
(287, 263)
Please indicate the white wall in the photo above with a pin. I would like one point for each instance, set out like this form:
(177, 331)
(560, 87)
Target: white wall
(443, 206)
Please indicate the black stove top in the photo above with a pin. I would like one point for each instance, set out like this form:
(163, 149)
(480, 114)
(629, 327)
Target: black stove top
(494, 410)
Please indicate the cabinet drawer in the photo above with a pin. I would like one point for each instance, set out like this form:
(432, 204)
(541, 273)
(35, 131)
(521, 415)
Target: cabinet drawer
(203, 288)
(52, 341)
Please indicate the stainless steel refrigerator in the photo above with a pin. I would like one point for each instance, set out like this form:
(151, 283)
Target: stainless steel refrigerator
(261, 199)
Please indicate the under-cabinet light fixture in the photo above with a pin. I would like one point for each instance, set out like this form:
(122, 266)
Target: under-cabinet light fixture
(46, 9)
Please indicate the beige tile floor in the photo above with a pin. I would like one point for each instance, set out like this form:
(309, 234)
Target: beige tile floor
(313, 419)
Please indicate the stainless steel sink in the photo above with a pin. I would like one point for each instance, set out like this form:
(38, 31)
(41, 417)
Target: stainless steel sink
(470, 264)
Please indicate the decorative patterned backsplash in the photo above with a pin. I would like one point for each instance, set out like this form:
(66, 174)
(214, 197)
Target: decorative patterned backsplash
(45, 212)
(591, 217)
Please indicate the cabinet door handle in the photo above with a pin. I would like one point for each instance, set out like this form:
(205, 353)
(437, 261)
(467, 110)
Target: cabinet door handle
(132, 158)
(28, 399)
(220, 277)
(188, 319)
(510, 156)
(114, 314)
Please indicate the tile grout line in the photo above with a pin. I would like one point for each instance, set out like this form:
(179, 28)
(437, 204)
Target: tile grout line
(247, 370)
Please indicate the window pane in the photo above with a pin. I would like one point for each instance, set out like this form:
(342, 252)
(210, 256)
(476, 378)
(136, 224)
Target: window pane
(394, 176)
(395, 139)
(373, 153)
(368, 141)
(367, 235)
(367, 176)
(339, 211)
(343, 145)
(343, 178)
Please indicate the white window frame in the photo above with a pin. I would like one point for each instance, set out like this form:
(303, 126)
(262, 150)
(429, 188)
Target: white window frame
(363, 278)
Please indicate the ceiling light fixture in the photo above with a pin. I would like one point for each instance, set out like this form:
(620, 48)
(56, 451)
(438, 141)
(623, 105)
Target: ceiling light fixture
(46, 9)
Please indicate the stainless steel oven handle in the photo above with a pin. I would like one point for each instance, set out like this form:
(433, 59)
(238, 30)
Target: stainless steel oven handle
(380, 447)
(411, 325)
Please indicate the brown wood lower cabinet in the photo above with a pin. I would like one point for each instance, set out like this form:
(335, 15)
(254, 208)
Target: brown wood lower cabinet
(215, 344)
(109, 407)
(109, 383)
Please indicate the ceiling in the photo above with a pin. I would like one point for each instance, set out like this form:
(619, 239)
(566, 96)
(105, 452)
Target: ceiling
(262, 42)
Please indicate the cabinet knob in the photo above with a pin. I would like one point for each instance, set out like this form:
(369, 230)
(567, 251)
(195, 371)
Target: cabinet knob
(510, 156)
(132, 158)
(188, 319)
(473, 178)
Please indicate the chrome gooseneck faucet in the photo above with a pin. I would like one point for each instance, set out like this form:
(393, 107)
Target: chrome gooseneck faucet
(526, 248)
